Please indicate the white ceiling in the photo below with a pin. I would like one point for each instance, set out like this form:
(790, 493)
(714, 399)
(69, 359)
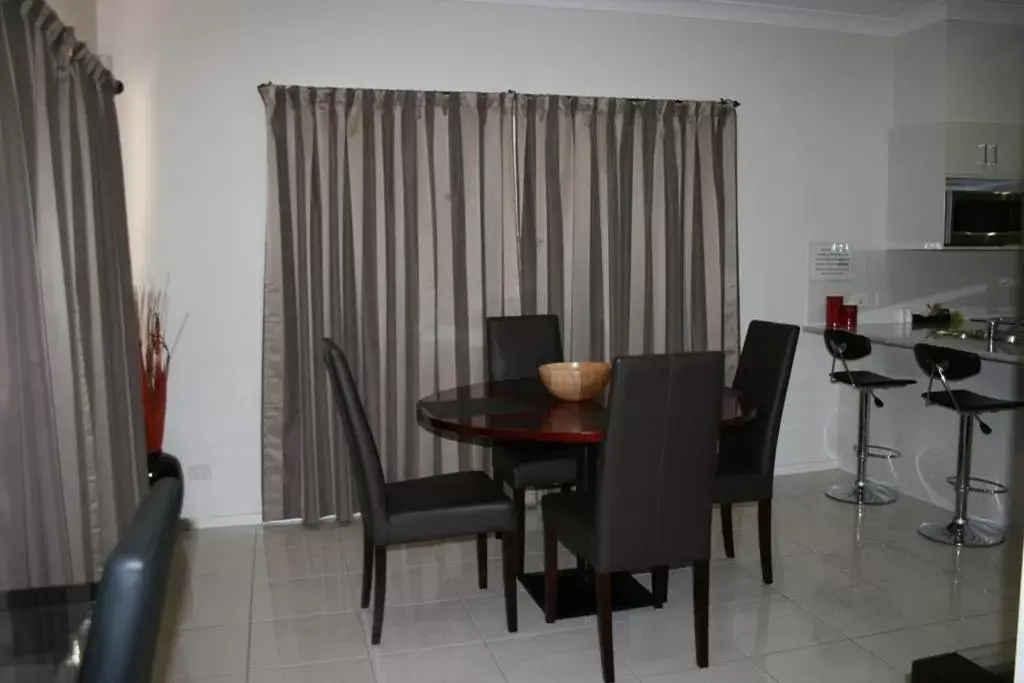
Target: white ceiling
(876, 17)
(865, 8)
(882, 9)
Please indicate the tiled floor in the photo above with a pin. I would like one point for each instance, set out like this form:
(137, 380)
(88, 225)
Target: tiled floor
(855, 598)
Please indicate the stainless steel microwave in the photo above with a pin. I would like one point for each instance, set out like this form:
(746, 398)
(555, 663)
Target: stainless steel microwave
(984, 213)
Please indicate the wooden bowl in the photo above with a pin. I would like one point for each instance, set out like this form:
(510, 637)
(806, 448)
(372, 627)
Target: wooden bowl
(576, 381)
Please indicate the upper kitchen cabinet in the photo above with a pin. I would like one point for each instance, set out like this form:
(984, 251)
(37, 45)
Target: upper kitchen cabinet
(984, 72)
(991, 150)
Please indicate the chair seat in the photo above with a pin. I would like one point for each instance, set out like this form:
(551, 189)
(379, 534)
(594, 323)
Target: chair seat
(970, 402)
(870, 380)
(572, 516)
(447, 505)
(537, 467)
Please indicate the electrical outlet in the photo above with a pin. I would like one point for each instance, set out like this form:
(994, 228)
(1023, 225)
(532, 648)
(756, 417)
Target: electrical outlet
(199, 472)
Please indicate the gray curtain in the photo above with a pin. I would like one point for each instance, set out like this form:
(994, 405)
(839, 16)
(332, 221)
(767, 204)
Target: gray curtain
(72, 449)
(391, 228)
(629, 223)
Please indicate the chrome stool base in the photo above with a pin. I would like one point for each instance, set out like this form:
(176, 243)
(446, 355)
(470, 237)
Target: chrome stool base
(870, 493)
(972, 534)
(876, 451)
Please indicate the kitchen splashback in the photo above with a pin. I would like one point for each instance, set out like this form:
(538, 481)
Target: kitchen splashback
(884, 282)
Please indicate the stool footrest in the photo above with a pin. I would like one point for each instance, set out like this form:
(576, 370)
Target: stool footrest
(987, 485)
(876, 451)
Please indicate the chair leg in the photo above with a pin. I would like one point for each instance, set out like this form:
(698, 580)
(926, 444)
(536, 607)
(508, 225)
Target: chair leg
(726, 513)
(508, 567)
(519, 502)
(764, 534)
(364, 601)
(381, 580)
(481, 561)
(550, 574)
(659, 586)
(604, 626)
(701, 587)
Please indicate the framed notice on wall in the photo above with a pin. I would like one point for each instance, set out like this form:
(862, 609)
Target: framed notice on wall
(830, 262)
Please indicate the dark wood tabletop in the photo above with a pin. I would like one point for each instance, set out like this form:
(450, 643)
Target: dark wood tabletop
(523, 410)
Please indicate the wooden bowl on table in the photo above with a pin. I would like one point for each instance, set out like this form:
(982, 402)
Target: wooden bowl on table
(575, 381)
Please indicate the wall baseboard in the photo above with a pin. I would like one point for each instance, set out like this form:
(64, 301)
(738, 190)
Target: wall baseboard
(253, 519)
(801, 467)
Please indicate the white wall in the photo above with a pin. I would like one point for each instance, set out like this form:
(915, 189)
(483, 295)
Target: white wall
(816, 107)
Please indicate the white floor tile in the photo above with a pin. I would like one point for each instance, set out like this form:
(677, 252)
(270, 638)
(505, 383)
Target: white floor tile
(561, 657)
(770, 626)
(488, 614)
(213, 651)
(657, 641)
(842, 662)
(348, 671)
(416, 585)
(278, 562)
(419, 627)
(875, 563)
(730, 583)
(306, 640)
(805, 572)
(741, 671)
(861, 610)
(950, 597)
(196, 601)
(305, 597)
(460, 664)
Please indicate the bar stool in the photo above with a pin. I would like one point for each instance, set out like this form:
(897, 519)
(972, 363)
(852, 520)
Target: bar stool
(845, 346)
(950, 365)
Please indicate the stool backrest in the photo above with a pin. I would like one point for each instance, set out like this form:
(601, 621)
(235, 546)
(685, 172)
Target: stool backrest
(843, 345)
(954, 364)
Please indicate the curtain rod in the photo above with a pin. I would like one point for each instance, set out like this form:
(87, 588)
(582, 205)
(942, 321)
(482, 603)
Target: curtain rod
(723, 100)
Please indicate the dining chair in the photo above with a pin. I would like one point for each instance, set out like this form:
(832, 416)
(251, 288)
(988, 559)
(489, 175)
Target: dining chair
(651, 508)
(746, 453)
(425, 509)
(516, 347)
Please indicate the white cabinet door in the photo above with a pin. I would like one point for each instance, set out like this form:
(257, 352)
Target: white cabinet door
(1004, 151)
(917, 186)
(967, 150)
(986, 150)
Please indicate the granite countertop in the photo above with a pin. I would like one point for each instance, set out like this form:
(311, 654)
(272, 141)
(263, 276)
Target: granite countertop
(903, 336)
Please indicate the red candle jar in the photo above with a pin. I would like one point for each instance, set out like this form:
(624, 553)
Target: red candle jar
(848, 316)
(833, 306)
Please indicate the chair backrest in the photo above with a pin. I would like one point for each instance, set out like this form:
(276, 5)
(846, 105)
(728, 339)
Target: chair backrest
(657, 465)
(518, 344)
(762, 378)
(126, 617)
(954, 363)
(362, 447)
(845, 345)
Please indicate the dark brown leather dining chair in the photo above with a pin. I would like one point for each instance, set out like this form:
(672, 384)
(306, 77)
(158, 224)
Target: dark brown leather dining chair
(415, 510)
(516, 347)
(651, 509)
(746, 454)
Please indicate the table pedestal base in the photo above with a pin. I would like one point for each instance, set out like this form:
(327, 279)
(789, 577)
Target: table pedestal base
(577, 594)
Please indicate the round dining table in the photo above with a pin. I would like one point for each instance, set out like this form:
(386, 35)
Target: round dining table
(524, 411)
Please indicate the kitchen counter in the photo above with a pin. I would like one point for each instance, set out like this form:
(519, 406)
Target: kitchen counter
(903, 336)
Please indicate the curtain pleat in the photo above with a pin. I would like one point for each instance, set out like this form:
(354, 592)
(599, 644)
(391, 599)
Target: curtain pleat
(389, 225)
(72, 453)
(649, 259)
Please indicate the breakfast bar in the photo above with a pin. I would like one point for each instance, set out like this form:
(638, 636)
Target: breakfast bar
(921, 440)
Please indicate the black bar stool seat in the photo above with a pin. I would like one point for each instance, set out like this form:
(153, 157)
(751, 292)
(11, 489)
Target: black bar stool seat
(969, 402)
(869, 380)
(947, 365)
(846, 346)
